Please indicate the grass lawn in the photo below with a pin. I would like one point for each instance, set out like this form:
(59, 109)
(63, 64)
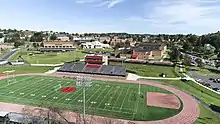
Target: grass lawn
(112, 99)
(48, 58)
(25, 69)
(207, 116)
(148, 70)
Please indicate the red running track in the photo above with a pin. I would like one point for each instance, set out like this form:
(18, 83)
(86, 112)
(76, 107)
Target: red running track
(188, 115)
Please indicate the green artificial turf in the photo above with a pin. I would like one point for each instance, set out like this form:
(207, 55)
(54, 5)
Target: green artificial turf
(123, 99)
(49, 57)
(148, 70)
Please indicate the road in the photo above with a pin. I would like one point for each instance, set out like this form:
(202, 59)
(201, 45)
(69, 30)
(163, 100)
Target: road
(8, 56)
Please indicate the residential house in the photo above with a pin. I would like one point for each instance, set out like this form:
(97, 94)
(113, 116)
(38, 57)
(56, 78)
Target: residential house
(6, 45)
(149, 51)
(62, 37)
(94, 44)
(57, 46)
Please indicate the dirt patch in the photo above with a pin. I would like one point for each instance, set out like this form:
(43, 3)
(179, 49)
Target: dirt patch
(163, 100)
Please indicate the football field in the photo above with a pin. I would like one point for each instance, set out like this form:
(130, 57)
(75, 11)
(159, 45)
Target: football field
(110, 99)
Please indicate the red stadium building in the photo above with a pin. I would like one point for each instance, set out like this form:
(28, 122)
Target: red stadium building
(96, 59)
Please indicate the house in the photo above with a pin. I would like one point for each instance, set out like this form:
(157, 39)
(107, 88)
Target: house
(62, 37)
(94, 44)
(57, 46)
(148, 51)
(6, 45)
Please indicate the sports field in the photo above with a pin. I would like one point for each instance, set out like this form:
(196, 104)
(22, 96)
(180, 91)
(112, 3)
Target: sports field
(111, 99)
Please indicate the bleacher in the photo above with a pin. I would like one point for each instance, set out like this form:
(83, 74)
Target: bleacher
(94, 69)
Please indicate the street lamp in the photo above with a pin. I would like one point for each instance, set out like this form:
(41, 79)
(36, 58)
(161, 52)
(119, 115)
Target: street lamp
(83, 81)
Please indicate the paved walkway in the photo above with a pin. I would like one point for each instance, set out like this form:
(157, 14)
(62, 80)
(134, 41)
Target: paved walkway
(188, 115)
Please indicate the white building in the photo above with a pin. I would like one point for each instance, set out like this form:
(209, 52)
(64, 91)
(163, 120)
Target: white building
(63, 38)
(94, 44)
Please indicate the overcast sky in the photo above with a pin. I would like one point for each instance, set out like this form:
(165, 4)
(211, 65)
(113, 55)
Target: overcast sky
(132, 16)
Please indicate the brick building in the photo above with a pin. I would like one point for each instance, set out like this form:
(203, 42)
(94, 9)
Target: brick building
(57, 46)
(149, 51)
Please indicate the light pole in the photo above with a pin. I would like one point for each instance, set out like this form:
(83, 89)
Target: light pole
(83, 81)
(139, 87)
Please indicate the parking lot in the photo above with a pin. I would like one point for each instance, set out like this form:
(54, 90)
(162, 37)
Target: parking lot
(205, 79)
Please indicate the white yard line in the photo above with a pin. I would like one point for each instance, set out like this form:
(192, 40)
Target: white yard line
(37, 88)
(125, 97)
(16, 81)
(25, 87)
(112, 96)
(117, 99)
(98, 95)
(136, 107)
(93, 94)
(104, 98)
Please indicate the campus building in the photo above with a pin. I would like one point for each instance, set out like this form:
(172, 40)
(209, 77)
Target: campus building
(94, 44)
(57, 46)
(149, 51)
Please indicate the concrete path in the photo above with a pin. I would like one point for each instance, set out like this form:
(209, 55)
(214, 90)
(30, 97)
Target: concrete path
(136, 77)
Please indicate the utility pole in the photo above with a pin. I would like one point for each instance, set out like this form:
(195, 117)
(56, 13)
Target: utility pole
(139, 87)
(84, 82)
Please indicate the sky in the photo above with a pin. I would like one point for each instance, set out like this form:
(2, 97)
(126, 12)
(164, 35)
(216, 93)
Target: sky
(131, 16)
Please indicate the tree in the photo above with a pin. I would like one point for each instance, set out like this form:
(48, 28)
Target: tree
(105, 42)
(37, 37)
(186, 46)
(17, 44)
(199, 62)
(1, 35)
(53, 37)
(187, 60)
(127, 43)
(217, 64)
(34, 45)
(41, 44)
(175, 54)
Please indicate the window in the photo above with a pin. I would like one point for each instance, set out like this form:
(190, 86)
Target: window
(53, 46)
(45, 46)
(56, 46)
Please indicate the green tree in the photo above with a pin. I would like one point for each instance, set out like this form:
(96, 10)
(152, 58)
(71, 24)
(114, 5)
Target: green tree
(1, 35)
(53, 37)
(41, 44)
(175, 54)
(187, 61)
(17, 44)
(199, 62)
(34, 45)
(37, 37)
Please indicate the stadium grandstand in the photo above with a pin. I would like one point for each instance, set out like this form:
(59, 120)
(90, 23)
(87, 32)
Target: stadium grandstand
(94, 64)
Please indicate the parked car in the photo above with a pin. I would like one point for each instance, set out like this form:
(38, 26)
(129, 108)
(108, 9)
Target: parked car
(198, 80)
(207, 85)
(216, 89)
(211, 78)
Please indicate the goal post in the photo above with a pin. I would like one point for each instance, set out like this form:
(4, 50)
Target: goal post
(57, 87)
(10, 76)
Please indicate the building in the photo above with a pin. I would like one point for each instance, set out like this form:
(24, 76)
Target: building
(94, 44)
(6, 45)
(149, 51)
(57, 46)
(63, 38)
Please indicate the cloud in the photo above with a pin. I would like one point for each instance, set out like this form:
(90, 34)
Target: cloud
(202, 14)
(87, 1)
(114, 2)
(100, 3)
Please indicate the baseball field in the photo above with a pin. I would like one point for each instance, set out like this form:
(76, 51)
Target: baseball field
(104, 98)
